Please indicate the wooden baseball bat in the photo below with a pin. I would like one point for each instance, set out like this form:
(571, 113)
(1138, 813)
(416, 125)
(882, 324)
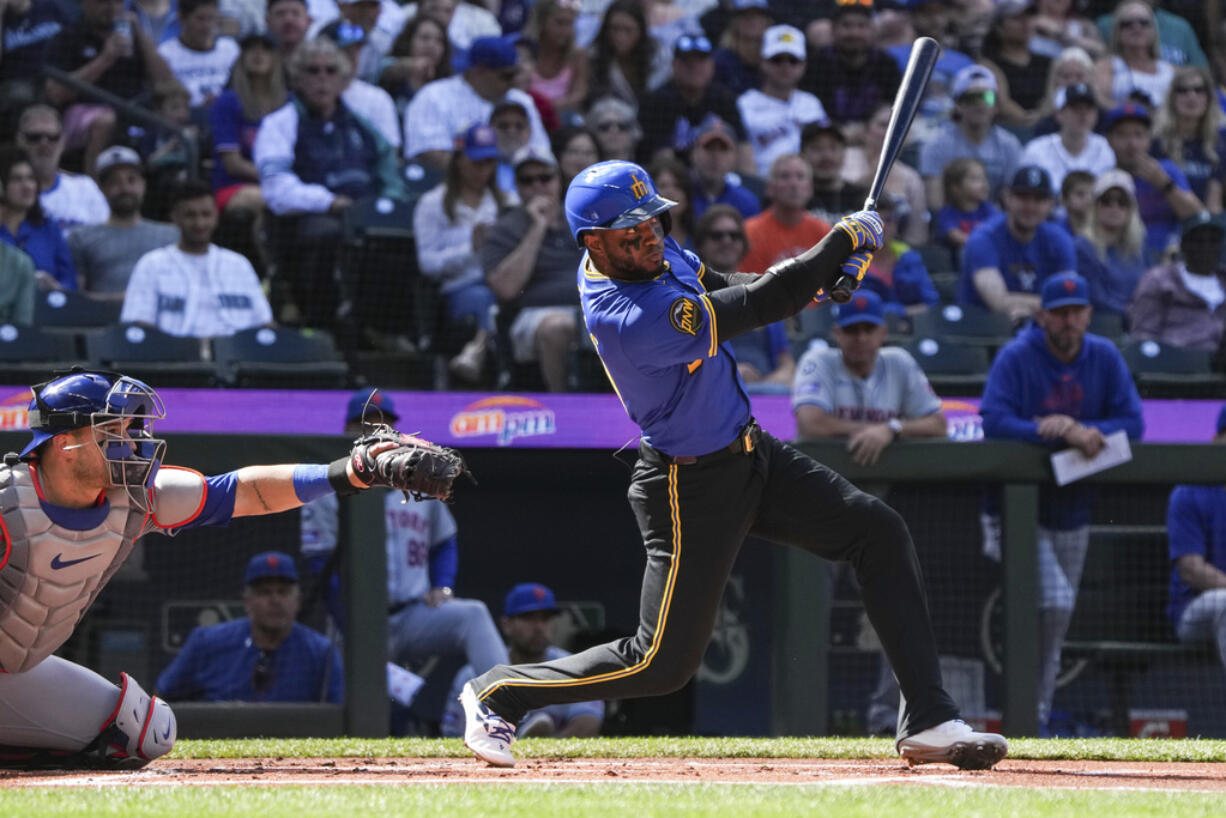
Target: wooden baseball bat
(923, 59)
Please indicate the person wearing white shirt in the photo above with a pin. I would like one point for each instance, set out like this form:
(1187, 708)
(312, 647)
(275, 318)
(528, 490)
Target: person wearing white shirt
(368, 101)
(449, 223)
(195, 288)
(774, 114)
(466, 22)
(442, 109)
(1075, 146)
(198, 57)
(68, 199)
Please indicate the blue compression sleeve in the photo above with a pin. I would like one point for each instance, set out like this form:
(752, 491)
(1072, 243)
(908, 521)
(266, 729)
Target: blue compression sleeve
(444, 563)
(311, 481)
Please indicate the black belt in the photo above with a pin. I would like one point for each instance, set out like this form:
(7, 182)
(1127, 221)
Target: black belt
(746, 441)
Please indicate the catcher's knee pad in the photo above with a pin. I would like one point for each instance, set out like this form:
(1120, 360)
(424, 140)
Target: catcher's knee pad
(141, 729)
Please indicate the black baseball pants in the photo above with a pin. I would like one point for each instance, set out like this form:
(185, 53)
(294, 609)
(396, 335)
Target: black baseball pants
(694, 516)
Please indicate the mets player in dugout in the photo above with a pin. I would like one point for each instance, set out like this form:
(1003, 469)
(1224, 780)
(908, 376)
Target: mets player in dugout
(707, 475)
(72, 505)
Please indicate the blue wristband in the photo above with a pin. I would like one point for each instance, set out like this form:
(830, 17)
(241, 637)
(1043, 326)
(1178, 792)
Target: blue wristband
(311, 481)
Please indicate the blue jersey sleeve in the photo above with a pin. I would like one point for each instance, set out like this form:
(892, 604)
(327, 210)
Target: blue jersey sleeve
(1003, 414)
(1185, 527)
(178, 680)
(224, 116)
(336, 678)
(444, 563)
(665, 327)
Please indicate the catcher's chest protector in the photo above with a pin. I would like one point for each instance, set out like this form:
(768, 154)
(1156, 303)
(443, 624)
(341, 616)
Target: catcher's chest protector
(50, 575)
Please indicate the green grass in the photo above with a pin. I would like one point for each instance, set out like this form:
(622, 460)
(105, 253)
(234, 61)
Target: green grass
(1097, 749)
(612, 800)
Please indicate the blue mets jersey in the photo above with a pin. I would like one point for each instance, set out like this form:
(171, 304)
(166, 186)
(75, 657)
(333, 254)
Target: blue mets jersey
(660, 345)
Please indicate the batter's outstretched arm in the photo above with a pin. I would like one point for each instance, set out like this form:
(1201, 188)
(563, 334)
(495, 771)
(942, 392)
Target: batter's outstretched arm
(746, 302)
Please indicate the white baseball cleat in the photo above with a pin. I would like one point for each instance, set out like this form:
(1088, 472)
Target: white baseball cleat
(954, 742)
(486, 733)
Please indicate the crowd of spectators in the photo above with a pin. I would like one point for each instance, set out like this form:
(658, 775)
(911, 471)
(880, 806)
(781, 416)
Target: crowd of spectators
(1055, 136)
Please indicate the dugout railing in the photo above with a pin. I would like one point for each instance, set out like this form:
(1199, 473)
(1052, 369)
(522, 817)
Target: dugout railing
(514, 528)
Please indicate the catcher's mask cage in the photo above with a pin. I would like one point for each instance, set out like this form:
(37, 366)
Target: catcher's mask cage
(121, 411)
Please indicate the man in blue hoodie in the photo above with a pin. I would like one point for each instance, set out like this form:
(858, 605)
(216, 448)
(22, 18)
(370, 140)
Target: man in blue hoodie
(1057, 385)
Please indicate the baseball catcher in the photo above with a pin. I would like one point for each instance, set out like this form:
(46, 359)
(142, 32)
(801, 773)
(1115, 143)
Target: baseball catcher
(73, 503)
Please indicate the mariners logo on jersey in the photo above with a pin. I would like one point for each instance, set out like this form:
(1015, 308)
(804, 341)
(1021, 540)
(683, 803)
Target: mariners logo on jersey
(685, 316)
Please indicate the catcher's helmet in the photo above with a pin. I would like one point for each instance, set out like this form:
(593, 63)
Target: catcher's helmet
(613, 195)
(83, 398)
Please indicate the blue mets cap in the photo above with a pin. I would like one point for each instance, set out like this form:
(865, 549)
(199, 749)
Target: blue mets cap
(378, 400)
(492, 52)
(1128, 111)
(479, 142)
(865, 307)
(529, 597)
(1064, 290)
(270, 565)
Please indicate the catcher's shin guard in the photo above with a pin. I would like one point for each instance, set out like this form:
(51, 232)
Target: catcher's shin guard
(141, 728)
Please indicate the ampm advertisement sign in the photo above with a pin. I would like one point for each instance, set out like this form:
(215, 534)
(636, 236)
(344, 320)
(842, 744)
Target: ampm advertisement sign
(504, 417)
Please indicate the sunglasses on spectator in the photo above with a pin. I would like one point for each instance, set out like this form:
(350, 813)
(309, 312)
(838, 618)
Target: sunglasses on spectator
(986, 97)
(41, 136)
(784, 59)
(1191, 89)
(529, 179)
(725, 235)
(1114, 200)
(316, 70)
(613, 125)
(1138, 22)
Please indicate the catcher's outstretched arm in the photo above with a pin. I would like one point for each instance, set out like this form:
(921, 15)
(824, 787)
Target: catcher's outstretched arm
(269, 489)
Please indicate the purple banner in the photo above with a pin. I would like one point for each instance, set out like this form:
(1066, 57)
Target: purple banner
(530, 420)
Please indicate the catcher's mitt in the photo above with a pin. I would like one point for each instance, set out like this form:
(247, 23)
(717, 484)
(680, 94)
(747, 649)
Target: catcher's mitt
(415, 466)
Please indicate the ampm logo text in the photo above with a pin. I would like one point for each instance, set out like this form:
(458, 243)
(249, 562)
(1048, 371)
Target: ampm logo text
(506, 416)
(13, 414)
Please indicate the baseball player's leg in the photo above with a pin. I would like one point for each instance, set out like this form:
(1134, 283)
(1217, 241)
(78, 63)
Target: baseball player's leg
(1061, 559)
(64, 715)
(810, 506)
(457, 626)
(1204, 620)
(693, 520)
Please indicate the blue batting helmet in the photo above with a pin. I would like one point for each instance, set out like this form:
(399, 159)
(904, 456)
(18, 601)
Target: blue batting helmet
(610, 196)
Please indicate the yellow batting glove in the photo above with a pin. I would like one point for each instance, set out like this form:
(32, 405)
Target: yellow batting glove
(865, 230)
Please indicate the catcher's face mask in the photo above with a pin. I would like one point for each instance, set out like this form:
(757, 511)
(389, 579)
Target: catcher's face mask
(120, 411)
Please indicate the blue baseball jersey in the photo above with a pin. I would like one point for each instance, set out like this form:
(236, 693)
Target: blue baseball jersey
(1027, 381)
(1023, 266)
(1195, 524)
(217, 664)
(660, 345)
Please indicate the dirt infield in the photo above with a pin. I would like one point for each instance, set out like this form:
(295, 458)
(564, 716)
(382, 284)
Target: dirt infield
(1114, 775)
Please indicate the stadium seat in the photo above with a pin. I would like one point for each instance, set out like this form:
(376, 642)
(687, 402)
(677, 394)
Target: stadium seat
(70, 311)
(963, 323)
(1165, 371)
(29, 354)
(1107, 324)
(938, 259)
(808, 324)
(151, 355)
(280, 358)
(952, 368)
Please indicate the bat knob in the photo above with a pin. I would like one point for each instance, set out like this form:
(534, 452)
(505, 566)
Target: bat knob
(841, 292)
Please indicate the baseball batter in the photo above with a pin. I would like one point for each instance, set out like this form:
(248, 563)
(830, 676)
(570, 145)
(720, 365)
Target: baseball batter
(72, 505)
(707, 475)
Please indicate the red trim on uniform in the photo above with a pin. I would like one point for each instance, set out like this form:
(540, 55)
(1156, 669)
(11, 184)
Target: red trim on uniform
(38, 487)
(123, 687)
(140, 742)
(8, 546)
(204, 496)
